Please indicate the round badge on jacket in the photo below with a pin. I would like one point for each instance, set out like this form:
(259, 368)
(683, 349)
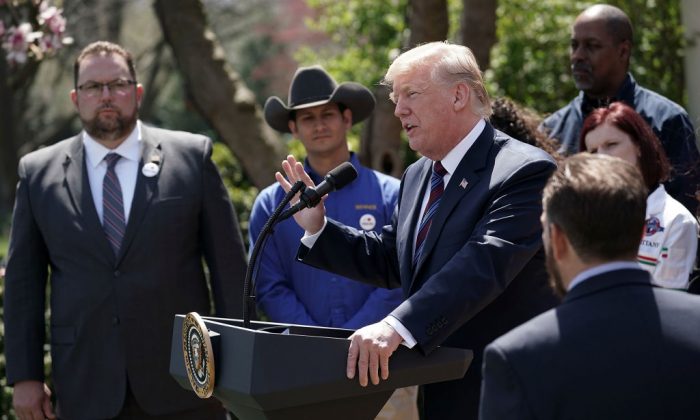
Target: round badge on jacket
(198, 354)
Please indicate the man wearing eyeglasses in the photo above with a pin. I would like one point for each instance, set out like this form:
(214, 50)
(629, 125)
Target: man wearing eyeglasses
(119, 218)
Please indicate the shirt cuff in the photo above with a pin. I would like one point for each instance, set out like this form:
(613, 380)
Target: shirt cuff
(309, 240)
(408, 339)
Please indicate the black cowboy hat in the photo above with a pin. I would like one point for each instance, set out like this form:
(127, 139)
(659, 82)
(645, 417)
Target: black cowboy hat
(313, 86)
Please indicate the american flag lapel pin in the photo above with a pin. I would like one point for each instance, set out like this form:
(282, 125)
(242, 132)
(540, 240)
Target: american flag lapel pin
(464, 183)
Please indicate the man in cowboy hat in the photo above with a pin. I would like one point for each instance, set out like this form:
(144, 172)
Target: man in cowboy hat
(319, 112)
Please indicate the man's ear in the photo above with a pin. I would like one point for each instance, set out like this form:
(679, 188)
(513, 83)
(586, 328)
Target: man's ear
(625, 50)
(347, 118)
(561, 247)
(461, 94)
(292, 127)
(139, 94)
(74, 98)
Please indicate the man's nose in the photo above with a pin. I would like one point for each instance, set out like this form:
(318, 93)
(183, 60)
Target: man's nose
(108, 94)
(400, 109)
(576, 54)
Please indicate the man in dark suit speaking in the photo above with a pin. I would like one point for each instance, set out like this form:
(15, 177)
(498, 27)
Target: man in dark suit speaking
(121, 216)
(617, 347)
(464, 243)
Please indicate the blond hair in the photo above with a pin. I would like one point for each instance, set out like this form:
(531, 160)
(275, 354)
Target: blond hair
(449, 64)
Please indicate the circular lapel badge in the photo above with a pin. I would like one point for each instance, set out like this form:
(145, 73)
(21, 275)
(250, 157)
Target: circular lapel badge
(199, 356)
(150, 169)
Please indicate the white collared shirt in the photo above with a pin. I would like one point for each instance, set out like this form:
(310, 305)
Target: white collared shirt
(126, 168)
(600, 269)
(670, 241)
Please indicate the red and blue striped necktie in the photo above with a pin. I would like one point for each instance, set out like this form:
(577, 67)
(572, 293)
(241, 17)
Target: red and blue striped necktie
(113, 221)
(436, 190)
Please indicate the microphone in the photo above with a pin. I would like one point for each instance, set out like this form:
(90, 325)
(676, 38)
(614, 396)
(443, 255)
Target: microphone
(336, 179)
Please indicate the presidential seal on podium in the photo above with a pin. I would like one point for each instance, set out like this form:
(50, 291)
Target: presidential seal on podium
(198, 354)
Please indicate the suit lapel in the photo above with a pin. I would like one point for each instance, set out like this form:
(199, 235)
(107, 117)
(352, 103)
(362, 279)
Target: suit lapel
(73, 167)
(78, 186)
(412, 200)
(461, 182)
(145, 190)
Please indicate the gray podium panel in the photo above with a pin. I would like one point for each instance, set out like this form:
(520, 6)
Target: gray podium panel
(277, 371)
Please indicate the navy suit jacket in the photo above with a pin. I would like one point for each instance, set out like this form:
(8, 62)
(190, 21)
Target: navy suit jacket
(616, 348)
(112, 316)
(481, 271)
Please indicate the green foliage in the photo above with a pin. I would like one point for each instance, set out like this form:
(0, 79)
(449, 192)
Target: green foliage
(240, 190)
(365, 35)
(5, 391)
(530, 63)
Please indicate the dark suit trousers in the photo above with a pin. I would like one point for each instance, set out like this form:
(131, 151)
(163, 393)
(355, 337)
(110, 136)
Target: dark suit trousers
(453, 400)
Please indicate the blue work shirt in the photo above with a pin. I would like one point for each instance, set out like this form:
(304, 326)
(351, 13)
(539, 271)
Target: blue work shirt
(669, 121)
(292, 292)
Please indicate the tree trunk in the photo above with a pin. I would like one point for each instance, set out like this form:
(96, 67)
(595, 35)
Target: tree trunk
(8, 149)
(14, 91)
(428, 21)
(381, 138)
(479, 29)
(217, 91)
(380, 144)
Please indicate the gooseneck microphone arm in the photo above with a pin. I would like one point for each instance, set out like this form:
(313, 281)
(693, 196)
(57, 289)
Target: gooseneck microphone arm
(336, 179)
(248, 298)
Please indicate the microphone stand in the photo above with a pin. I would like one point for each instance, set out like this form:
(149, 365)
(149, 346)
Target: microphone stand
(248, 298)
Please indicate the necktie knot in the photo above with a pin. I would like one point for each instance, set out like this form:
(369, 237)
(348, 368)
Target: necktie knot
(438, 169)
(112, 159)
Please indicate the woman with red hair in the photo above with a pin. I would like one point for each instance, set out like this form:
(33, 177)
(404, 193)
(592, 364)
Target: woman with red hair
(669, 244)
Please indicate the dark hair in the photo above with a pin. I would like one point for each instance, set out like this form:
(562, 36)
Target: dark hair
(103, 48)
(599, 202)
(521, 123)
(653, 162)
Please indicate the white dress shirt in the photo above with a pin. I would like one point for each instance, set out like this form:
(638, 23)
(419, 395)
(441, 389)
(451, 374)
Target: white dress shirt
(126, 168)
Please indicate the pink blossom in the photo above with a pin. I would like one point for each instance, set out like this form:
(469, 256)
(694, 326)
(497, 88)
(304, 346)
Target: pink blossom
(50, 42)
(17, 42)
(52, 18)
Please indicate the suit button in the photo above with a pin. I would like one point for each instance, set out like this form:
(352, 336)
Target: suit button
(115, 320)
(117, 273)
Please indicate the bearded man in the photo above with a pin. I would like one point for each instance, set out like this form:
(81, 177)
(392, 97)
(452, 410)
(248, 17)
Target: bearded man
(119, 218)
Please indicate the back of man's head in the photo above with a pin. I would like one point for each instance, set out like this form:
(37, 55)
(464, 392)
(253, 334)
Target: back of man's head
(599, 202)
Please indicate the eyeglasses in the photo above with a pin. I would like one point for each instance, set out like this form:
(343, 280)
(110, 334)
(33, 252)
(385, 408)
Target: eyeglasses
(116, 87)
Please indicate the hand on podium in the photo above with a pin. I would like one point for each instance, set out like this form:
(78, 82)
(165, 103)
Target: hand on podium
(370, 349)
(310, 219)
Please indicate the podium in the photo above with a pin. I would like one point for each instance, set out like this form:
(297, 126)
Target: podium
(280, 371)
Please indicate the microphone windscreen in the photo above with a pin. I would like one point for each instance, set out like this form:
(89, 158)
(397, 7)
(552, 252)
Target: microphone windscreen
(342, 175)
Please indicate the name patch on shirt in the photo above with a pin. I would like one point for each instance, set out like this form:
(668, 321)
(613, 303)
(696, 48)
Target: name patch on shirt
(365, 207)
